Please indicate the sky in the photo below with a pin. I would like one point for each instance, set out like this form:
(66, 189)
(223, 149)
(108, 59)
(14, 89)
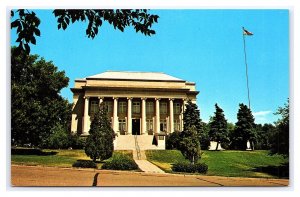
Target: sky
(202, 46)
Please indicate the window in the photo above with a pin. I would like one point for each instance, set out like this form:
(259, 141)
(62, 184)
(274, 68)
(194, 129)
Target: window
(109, 106)
(149, 107)
(163, 125)
(122, 125)
(177, 108)
(136, 107)
(149, 124)
(94, 107)
(122, 107)
(176, 125)
(163, 108)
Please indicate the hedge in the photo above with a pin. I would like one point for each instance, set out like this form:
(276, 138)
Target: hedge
(190, 168)
(120, 162)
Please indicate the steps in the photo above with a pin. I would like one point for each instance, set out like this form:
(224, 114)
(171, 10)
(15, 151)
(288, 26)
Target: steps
(127, 142)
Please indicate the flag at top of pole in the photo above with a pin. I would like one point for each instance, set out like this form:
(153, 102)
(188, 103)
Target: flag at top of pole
(246, 32)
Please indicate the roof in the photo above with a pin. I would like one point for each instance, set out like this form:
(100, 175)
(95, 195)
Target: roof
(130, 75)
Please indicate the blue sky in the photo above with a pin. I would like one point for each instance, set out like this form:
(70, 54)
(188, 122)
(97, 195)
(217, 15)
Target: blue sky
(203, 46)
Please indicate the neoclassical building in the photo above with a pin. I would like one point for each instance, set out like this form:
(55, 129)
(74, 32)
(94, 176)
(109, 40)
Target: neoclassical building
(138, 103)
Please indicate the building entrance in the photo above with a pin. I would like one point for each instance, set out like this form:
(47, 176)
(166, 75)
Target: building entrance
(136, 127)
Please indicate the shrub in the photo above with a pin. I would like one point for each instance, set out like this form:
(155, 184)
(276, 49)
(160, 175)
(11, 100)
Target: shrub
(84, 164)
(76, 142)
(26, 151)
(58, 139)
(190, 168)
(172, 141)
(120, 162)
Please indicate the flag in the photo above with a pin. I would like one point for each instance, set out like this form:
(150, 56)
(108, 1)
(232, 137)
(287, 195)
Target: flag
(247, 33)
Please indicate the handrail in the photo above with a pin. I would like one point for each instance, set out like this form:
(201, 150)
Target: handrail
(137, 148)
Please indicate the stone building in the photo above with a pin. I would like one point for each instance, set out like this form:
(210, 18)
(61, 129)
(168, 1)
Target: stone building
(138, 103)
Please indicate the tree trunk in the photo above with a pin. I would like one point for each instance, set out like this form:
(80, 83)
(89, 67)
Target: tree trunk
(193, 159)
(252, 145)
(217, 146)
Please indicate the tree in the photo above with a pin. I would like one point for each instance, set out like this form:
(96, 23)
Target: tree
(191, 134)
(244, 128)
(190, 145)
(191, 117)
(204, 138)
(280, 138)
(218, 127)
(264, 135)
(36, 104)
(99, 144)
(27, 22)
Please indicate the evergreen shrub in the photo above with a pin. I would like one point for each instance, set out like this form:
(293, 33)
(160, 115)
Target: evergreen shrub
(120, 162)
(190, 168)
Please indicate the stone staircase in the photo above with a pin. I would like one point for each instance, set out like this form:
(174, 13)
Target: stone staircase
(138, 144)
(127, 142)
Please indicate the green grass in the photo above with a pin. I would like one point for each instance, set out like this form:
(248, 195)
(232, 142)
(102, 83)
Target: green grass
(223, 163)
(63, 158)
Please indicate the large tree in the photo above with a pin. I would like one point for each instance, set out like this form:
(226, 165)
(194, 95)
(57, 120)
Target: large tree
(264, 136)
(36, 103)
(191, 134)
(244, 128)
(280, 138)
(99, 144)
(218, 127)
(27, 23)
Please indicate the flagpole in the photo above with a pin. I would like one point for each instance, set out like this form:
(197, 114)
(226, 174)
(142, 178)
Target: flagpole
(246, 68)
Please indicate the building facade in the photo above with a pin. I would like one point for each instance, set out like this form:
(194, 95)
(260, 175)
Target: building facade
(138, 103)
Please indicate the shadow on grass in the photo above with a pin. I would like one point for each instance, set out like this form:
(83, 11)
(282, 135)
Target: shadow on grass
(31, 151)
(278, 171)
(84, 163)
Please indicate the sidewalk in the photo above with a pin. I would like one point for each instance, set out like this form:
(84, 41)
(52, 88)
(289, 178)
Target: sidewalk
(145, 165)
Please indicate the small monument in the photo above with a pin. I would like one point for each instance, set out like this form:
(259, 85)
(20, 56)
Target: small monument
(248, 145)
(213, 145)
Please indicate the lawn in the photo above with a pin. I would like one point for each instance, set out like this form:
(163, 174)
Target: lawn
(58, 158)
(225, 163)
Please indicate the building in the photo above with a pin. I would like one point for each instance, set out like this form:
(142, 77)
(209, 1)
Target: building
(138, 103)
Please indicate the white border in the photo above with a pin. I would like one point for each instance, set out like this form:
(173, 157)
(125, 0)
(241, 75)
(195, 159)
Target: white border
(157, 4)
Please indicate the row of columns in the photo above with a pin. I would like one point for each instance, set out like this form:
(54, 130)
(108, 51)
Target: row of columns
(115, 124)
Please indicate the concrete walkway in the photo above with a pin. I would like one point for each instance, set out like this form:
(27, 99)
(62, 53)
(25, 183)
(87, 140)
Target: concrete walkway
(144, 164)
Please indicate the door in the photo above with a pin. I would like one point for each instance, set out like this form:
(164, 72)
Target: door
(135, 126)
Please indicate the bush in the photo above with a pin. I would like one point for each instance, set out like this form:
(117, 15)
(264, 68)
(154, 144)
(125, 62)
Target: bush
(84, 164)
(76, 142)
(190, 168)
(58, 139)
(26, 151)
(120, 162)
(172, 141)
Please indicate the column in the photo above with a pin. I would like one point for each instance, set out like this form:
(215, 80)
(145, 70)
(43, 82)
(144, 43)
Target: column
(171, 116)
(182, 112)
(157, 116)
(129, 114)
(115, 115)
(144, 116)
(74, 122)
(86, 116)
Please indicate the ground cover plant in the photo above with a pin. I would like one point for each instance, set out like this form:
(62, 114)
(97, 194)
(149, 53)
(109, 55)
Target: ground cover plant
(225, 163)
